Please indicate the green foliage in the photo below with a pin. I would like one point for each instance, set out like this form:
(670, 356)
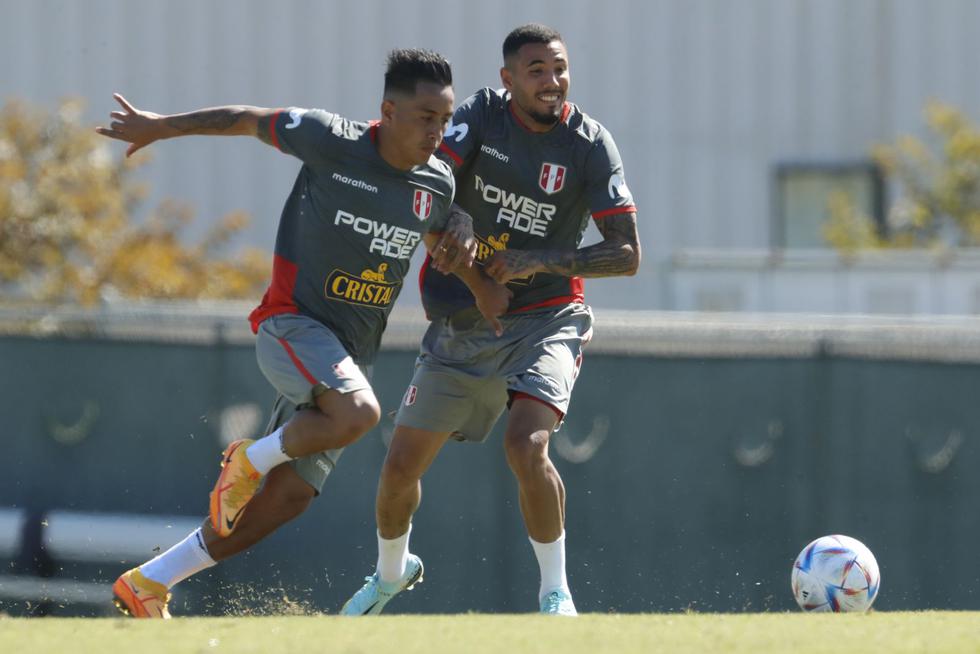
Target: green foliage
(940, 184)
(66, 228)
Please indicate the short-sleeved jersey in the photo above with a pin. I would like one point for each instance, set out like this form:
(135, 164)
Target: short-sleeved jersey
(349, 227)
(526, 190)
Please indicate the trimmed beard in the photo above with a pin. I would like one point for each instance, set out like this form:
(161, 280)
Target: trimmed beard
(545, 119)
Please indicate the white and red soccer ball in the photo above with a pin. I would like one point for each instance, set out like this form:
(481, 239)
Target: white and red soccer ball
(835, 573)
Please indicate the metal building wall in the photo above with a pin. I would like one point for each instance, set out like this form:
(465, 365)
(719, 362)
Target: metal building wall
(701, 95)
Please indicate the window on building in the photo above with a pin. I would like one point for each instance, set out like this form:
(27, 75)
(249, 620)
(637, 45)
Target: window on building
(802, 191)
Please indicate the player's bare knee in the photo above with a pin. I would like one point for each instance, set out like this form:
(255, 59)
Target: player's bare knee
(367, 415)
(401, 469)
(360, 416)
(526, 454)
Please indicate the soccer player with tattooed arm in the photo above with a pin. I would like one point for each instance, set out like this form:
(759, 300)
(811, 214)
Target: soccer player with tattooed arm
(532, 170)
(366, 195)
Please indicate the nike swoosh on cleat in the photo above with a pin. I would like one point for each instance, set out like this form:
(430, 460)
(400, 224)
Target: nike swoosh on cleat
(230, 522)
(368, 609)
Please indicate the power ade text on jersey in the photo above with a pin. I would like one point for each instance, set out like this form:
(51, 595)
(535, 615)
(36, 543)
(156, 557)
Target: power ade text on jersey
(349, 227)
(526, 190)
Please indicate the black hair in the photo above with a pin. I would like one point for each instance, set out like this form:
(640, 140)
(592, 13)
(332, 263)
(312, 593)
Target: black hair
(409, 66)
(530, 33)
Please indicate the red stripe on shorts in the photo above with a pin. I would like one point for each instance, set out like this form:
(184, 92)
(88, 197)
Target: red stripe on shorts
(299, 364)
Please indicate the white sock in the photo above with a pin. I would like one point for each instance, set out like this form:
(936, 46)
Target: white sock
(393, 556)
(187, 557)
(551, 561)
(266, 453)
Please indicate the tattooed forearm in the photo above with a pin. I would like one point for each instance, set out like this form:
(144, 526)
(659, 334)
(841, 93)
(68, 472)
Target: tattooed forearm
(459, 221)
(232, 120)
(205, 120)
(617, 254)
(599, 260)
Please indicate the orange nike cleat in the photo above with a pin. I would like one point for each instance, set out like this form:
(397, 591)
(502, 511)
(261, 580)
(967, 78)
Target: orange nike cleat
(139, 597)
(236, 486)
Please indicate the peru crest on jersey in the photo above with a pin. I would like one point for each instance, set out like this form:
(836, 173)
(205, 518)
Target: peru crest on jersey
(422, 205)
(552, 178)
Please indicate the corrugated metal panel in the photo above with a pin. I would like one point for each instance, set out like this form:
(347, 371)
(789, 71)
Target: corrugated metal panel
(702, 95)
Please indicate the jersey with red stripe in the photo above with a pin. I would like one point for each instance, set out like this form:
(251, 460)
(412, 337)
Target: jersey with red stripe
(349, 227)
(526, 190)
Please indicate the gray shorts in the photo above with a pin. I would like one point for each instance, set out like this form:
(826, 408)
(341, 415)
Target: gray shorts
(302, 358)
(464, 375)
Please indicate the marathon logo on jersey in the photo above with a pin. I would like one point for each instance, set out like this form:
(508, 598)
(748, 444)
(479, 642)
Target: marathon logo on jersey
(495, 153)
(422, 204)
(552, 177)
(410, 394)
(369, 289)
(356, 183)
(386, 240)
(518, 212)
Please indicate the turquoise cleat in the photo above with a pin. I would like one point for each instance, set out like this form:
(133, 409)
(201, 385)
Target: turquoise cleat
(558, 602)
(373, 595)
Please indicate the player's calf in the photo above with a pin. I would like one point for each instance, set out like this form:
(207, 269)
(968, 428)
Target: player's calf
(283, 497)
(236, 485)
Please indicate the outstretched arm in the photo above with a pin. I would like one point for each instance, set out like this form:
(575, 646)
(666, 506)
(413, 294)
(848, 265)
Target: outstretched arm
(140, 128)
(617, 254)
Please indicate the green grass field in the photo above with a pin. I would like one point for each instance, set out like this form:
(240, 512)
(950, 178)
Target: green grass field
(792, 633)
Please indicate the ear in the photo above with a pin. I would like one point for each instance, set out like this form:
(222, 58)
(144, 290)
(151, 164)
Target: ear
(387, 111)
(506, 78)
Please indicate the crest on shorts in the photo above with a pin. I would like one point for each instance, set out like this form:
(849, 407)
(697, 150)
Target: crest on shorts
(422, 204)
(345, 368)
(410, 394)
(552, 177)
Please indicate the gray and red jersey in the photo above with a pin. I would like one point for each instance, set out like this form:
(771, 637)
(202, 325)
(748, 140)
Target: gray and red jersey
(526, 190)
(349, 227)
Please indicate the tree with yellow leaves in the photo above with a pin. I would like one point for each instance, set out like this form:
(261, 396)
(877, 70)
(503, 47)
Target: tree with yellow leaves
(940, 202)
(67, 233)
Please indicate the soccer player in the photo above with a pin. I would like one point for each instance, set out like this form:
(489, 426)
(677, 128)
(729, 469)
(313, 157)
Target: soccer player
(530, 169)
(366, 196)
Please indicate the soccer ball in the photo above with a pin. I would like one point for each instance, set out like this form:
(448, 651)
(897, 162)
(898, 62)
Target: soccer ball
(835, 573)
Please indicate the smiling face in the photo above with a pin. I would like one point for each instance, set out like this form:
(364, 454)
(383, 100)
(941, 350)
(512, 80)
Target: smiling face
(537, 77)
(412, 125)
